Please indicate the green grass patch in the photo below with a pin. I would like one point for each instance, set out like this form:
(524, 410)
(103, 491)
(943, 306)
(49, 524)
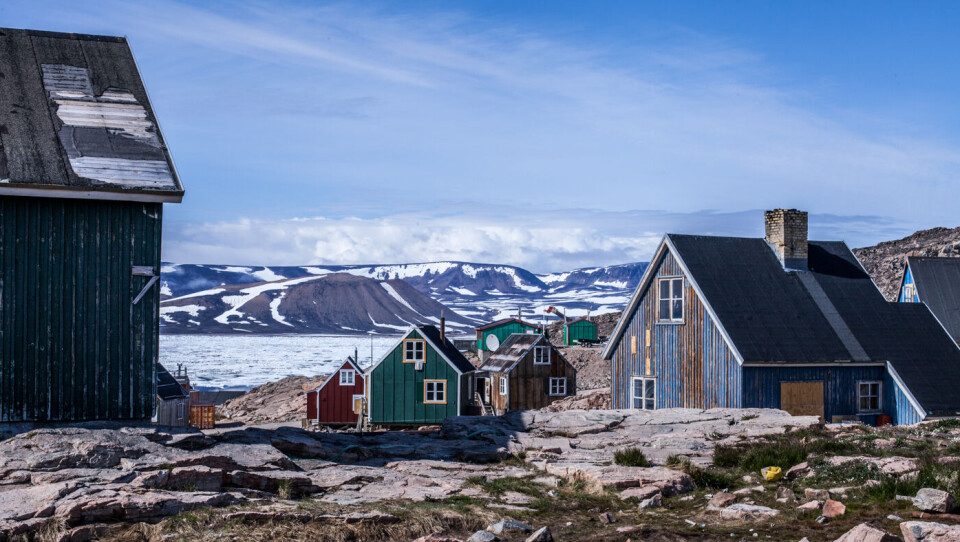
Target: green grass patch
(944, 425)
(630, 457)
(709, 478)
(499, 486)
(786, 451)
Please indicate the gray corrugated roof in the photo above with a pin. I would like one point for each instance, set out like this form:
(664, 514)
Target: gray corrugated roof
(77, 122)
(512, 349)
(938, 285)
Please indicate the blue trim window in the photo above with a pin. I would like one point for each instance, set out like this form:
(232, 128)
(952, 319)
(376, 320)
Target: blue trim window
(869, 393)
(671, 299)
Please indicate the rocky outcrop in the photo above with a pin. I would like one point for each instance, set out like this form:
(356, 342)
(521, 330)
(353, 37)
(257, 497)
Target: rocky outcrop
(928, 531)
(868, 533)
(885, 261)
(281, 401)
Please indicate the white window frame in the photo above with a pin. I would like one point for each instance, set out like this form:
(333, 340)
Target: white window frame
(538, 355)
(180, 409)
(666, 285)
(344, 380)
(878, 395)
(643, 399)
(439, 389)
(504, 386)
(561, 382)
(912, 290)
(418, 352)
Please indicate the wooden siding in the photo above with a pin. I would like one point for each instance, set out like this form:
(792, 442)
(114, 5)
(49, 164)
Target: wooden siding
(897, 405)
(761, 387)
(691, 361)
(528, 384)
(72, 344)
(396, 389)
(907, 279)
(502, 332)
(167, 413)
(336, 401)
(312, 404)
(583, 329)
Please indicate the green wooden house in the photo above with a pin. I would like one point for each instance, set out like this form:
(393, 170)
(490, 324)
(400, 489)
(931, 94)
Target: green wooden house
(491, 336)
(578, 330)
(423, 379)
(84, 173)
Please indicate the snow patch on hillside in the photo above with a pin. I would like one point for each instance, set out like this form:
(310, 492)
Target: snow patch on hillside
(275, 309)
(267, 275)
(236, 302)
(394, 294)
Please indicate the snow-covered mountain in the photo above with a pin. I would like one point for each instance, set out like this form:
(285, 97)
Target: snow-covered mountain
(476, 293)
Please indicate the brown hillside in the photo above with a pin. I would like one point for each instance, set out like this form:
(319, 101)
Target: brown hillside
(885, 261)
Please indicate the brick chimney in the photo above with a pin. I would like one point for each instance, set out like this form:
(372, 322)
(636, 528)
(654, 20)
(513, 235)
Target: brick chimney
(786, 233)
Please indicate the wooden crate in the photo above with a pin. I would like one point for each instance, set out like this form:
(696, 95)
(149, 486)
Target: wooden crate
(201, 416)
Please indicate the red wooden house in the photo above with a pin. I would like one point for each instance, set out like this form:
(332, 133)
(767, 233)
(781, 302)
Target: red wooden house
(338, 400)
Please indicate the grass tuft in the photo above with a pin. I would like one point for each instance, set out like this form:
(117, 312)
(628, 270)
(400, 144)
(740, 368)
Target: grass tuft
(630, 457)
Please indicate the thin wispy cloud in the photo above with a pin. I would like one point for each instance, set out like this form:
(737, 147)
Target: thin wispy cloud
(431, 121)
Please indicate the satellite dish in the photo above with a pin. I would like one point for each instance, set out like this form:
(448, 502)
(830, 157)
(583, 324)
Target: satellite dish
(492, 342)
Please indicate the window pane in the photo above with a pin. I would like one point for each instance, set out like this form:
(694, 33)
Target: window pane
(875, 403)
(649, 404)
(677, 288)
(677, 310)
(648, 388)
(664, 289)
(664, 309)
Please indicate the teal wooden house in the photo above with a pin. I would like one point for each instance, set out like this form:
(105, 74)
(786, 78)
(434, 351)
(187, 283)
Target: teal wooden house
(491, 336)
(84, 173)
(579, 330)
(422, 379)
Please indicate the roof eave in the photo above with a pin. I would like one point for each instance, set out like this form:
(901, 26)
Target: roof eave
(62, 192)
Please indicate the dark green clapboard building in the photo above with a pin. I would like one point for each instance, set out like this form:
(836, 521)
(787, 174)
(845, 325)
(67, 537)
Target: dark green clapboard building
(423, 379)
(491, 336)
(578, 330)
(84, 173)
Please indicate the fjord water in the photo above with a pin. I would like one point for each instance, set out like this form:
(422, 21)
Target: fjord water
(245, 361)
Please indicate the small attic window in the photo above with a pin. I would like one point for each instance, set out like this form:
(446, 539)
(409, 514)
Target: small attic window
(909, 293)
(541, 355)
(671, 299)
(347, 377)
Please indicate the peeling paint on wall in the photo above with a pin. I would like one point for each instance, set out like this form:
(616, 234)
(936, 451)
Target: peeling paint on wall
(108, 138)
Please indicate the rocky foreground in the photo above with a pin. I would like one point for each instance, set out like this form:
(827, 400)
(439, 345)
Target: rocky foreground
(577, 475)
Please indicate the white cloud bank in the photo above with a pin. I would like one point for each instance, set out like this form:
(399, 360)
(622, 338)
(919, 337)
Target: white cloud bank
(538, 241)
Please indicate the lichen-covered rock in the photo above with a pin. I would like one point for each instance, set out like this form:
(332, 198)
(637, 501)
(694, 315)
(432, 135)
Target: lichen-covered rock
(868, 533)
(747, 512)
(934, 500)
(928, 531)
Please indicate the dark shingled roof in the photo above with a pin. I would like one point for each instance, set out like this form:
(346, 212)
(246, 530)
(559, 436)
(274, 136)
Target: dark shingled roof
(446, 348)
(167, 386)
(76, 121)
(938, 286)
(833, 312)
(512, 349)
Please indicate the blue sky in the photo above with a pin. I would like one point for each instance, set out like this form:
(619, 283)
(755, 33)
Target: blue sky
(548, 135)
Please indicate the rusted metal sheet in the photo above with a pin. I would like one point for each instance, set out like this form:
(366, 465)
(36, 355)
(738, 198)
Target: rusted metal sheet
(73, 346)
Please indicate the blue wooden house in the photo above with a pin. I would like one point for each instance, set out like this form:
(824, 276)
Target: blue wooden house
(780, 322)
(934, 282)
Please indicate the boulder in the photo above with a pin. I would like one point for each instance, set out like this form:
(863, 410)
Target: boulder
(483, 536)
(786, 495)
(653, 502)
(833, 509)
(607, 517)
(928, 531)
(816, 494)
(32, 502)
(509, 527)
(868, 533)
(797, 471)
(934, 500)
(721, 500)
(747, 512)
(669, 482)
(542, 534)
(641, 493)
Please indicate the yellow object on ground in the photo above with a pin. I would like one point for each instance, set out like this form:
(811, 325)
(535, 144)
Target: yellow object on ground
(771, 474)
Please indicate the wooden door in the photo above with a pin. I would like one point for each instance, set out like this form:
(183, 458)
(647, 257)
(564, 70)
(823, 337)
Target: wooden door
(802, 398)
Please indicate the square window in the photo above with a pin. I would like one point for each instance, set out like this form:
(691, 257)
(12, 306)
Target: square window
(347, 377)
(541, 355)
(644, 393)
(558, 386)
(671, 299)
(414, 350)
(868, 396)
(435, 392)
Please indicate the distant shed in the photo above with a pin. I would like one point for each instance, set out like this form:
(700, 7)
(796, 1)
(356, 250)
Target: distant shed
(84, 173)
(525, 373)
(173, 401)
(578, 330)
